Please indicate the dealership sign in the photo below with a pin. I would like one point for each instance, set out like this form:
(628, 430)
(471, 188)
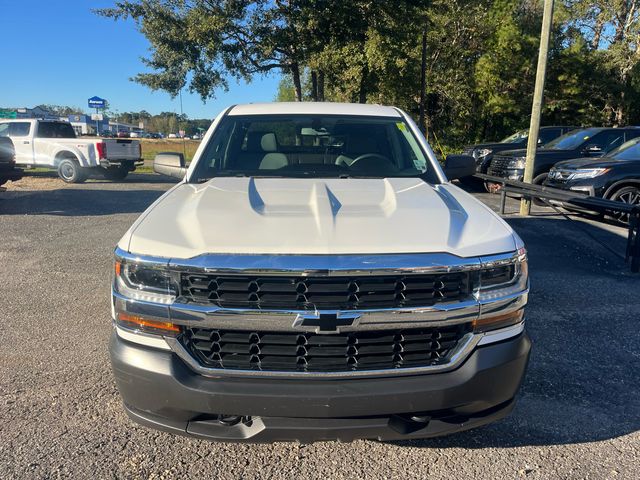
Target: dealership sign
(97, 102)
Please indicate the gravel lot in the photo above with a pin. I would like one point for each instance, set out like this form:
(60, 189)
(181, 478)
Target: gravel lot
(60, 414)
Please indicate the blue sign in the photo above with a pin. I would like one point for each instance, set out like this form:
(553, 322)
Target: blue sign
(97, 102)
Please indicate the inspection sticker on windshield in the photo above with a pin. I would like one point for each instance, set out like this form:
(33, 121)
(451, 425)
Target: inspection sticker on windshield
(401, 126)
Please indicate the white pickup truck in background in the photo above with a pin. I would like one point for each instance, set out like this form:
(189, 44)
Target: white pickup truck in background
(53, 144)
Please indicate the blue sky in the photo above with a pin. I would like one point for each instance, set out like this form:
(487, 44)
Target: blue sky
(59, 52)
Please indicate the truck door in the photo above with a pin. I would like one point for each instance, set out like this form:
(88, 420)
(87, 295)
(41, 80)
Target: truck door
(20, 134)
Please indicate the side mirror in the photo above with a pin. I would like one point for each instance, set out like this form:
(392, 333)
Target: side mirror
(593, 150)
(459, 166)
(170, 163)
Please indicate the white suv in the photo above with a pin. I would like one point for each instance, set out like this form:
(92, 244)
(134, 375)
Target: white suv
(316, 276)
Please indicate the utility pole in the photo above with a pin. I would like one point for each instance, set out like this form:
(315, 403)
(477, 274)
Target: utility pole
(423, 82)
(536, 108)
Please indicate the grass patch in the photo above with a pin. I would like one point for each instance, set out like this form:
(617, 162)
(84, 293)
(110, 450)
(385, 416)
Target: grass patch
(151, 147)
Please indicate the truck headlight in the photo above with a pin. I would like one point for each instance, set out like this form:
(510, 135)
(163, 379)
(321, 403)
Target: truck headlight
(481, 153)
(147, 283)
(502, 292)
(517, 163)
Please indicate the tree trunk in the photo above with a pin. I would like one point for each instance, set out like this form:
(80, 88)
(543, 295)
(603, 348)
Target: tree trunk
(423, 82)
(362, 92)
(314, 86)
(295, 73)
(321, 86)
(597, 34)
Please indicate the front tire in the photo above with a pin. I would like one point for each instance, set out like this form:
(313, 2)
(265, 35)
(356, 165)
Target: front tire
(70, 171)
(630, 195)
(538, 181)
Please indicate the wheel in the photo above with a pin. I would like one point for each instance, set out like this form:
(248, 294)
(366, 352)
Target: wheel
(538, 181)
(71, 172)
(629, 194)
(115, 173)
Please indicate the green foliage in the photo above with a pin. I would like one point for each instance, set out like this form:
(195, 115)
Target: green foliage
(286, 91)
(480, 56)
(62, 110)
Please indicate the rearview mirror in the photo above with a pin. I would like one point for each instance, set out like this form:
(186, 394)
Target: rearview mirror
(171, 164)
(459, 166)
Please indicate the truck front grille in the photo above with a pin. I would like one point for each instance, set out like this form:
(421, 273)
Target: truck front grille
(499, 165)
(310, 352)
(335, 293)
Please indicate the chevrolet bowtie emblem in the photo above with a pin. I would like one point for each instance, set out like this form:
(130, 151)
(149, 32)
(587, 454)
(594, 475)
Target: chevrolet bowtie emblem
(325, 322)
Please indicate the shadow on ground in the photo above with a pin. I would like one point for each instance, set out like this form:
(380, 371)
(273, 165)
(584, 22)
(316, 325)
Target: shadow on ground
(96, 178)
(583, 376)
(82, 201)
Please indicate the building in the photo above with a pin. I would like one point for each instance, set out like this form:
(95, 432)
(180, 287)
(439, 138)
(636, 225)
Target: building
(36, 112)
(83, 125)
(116, 126)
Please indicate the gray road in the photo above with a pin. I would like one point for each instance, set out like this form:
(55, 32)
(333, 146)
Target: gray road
(60, 414)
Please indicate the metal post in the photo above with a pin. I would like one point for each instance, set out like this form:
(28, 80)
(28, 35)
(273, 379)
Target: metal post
(503, 199)
(536, 108)
(633, 242)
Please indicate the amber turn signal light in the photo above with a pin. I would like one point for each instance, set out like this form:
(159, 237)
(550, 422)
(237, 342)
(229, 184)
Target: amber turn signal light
(493, 322)
(147, 325)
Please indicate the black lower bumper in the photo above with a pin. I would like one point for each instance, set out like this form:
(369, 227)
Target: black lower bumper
(160, 391)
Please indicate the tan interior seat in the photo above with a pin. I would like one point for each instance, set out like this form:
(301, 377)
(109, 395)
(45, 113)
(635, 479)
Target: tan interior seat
(273, 159)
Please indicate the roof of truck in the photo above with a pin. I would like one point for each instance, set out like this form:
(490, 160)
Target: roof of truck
(314, 108)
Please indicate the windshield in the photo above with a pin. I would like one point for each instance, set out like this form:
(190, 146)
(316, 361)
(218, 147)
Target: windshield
(516, 137)
(327, 146)
(572, 140)
(627, 151)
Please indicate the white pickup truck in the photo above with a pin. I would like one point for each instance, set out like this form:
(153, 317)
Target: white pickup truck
(315, 275)
(53, 144)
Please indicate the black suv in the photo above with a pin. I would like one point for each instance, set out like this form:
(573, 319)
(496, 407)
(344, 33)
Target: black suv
(586, 142)
(8, 170)
(484, 152)
(615, 176)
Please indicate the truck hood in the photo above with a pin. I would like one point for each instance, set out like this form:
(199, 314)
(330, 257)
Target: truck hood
(602, 162)
(540, 153)
(317, 216)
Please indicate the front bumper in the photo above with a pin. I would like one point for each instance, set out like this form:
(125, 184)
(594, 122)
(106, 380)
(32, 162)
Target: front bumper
(585, 187)
(508, 173)
(159, 390)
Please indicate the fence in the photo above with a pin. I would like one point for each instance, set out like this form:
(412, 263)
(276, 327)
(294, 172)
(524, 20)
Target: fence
(581, 201)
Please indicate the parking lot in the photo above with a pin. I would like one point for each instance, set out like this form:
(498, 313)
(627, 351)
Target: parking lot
(578, 414)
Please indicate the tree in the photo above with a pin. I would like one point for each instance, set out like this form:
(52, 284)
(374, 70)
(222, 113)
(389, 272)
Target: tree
(476, 81)
(61, 110)
(202, 43)
(612, 28)
(286, 91)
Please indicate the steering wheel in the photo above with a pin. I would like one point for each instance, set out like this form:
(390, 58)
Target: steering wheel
(371, 160)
